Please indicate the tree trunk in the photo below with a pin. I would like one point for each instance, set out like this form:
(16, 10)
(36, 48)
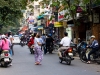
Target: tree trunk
(76, 33)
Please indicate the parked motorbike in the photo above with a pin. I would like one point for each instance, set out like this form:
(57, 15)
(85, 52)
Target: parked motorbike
(74, 47)
(81, 47)
(5, 58)
(94, 57)
(67, 56)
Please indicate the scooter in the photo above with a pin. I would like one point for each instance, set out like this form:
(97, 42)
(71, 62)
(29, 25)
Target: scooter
(67, 56)
(22, 43)
(94, 57)
(5, 58)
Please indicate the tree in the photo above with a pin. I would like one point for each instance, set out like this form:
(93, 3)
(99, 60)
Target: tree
(10, 11)
(71, 6)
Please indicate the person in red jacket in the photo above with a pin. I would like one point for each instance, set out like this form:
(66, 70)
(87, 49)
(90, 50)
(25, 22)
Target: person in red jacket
(31, 41)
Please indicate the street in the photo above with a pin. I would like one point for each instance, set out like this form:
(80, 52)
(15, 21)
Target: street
(23, 64)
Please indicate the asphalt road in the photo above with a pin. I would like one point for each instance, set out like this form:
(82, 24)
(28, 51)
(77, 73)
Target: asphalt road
(23, 64)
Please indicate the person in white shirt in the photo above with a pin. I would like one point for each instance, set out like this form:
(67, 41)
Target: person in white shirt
(65, 42)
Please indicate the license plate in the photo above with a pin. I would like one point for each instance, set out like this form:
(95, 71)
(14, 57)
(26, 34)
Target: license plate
(6, 59)
(70, 54)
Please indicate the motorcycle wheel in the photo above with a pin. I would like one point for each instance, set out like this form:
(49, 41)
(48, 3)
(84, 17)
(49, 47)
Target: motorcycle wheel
(68, 60)
(4, 65)
(98, 61)
(60, 60)
(83, 57)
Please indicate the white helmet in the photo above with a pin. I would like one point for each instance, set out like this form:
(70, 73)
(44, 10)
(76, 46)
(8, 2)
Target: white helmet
(92, 36)
(3, 36)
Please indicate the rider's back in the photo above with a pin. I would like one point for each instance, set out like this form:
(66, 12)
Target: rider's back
(5, 44)
(65, 41)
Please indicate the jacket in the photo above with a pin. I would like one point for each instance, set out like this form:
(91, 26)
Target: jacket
(94, 44)
(5, 45)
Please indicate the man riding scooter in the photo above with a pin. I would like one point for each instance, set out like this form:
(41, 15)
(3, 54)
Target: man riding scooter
(65, 42)
(94, 46)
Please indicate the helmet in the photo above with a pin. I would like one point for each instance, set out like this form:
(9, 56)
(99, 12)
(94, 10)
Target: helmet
(3, 36)
(92, 36)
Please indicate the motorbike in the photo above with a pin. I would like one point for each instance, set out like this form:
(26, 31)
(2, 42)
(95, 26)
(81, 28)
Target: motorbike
(49, 48)
(22, 43)
(5, 58)
(31, 50)
(95, 57)
(67, 56)
(74, 47)
(81, 47)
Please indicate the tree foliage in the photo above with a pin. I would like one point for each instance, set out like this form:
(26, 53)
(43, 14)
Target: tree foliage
(71, 7)
(10, 11)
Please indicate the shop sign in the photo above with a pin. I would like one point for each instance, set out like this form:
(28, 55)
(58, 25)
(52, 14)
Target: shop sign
(58, 24)
(60, 15)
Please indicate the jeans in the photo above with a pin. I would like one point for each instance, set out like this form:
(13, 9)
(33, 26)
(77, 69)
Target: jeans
(10, 51)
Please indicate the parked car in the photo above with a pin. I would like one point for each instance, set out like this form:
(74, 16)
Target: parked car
(16, 39)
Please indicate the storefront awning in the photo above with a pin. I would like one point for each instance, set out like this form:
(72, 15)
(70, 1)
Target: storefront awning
(40, 17)
(58, 24)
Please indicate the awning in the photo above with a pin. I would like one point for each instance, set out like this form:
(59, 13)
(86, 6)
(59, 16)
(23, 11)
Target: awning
(40, 17)
(58, 24)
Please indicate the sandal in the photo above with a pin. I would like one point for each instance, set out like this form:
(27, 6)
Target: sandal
(37, 63)
(88, 62)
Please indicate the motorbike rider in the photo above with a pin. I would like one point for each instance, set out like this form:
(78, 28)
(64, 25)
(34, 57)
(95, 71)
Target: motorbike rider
(65, 42)
(31, 40)
(94, 46)
(23, 39)
(49, 44)
(5, 44)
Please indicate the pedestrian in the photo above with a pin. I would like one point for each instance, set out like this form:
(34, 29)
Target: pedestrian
(38, 51)
(10, 37)
(44, 41)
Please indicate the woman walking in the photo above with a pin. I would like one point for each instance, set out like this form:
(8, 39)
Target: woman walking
(38, 49)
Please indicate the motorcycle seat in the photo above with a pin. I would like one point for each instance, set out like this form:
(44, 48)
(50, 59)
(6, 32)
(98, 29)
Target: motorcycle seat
(5, 51)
